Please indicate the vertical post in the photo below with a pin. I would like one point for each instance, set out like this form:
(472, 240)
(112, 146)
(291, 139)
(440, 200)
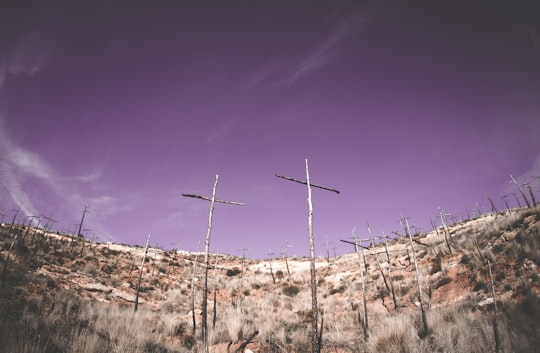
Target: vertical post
(446, 230)
(79, 234)
(204, 329)
(140, 273)
(214, 312)
(531, 194)
(420, 295)
(493, 207)
(285, 254)
(394, 298)
(374, 250)
(362, 264)
(270, 253)
(14, 219)
(194, 322)
(7, 260)
(314, 308)
(503, 197)
(327, 244)
(243, 251)
(495, 323)
(512, 180)
(517, 199)
(16, 214)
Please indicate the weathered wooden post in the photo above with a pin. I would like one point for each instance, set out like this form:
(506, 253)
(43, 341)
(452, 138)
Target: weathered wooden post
(270, 254)
(531, 194)
(79, 234)
(315, 338)
(17, 211)
(405, 223)
(214, 312)
(140, 273)
(7, 260)
(362, 265)
(394, 298)
(517, 199)
(503, 197)
(213, 200)
(512, 180)
(327, 244)
(284, 252)
(243, 252)
(193, 320)
(495, 323)
(379, 266)
(494, 209)
(446, 230)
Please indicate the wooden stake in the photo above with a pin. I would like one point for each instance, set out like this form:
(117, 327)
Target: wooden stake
(214, 312)
(193, 320)
(531, 194)
(285, 254)
(270, 253)
(446, 230)
(79, 234)
(512, 180)
(503, 197)
(314, 308)
(495, 323)
(420, 295)
(493, 207)
(379, 263)
(7, 259)
(140, 274)
(394, 298)
(362, 267)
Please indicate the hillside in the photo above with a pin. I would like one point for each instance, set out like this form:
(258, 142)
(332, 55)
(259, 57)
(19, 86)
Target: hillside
(62, 294)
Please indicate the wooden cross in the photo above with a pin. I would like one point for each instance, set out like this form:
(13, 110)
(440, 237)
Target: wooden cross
(212, 200)
(315, 346)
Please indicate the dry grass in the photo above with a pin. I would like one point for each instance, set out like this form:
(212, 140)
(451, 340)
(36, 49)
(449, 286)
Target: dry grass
(47, 305)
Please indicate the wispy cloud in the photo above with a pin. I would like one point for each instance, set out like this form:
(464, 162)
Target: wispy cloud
(28, 53)
(327, 50)
(23, 170)
(219, 132)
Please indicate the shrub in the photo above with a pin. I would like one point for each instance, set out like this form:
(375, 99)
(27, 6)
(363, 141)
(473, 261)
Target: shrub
(398, 277)
(291, 291)
(443, 281)
(480, 286)
(233, 272)
(340, 289)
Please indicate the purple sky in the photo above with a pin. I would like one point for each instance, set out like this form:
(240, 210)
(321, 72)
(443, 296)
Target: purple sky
(401, 108)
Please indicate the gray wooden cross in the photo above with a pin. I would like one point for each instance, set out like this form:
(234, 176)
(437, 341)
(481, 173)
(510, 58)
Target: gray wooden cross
(315, 344)
(213, 200)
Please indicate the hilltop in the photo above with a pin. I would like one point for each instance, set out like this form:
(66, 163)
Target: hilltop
(65, 294)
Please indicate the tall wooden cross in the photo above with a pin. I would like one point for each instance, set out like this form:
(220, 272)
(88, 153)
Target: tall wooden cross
(213, 200)
(315, 344)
